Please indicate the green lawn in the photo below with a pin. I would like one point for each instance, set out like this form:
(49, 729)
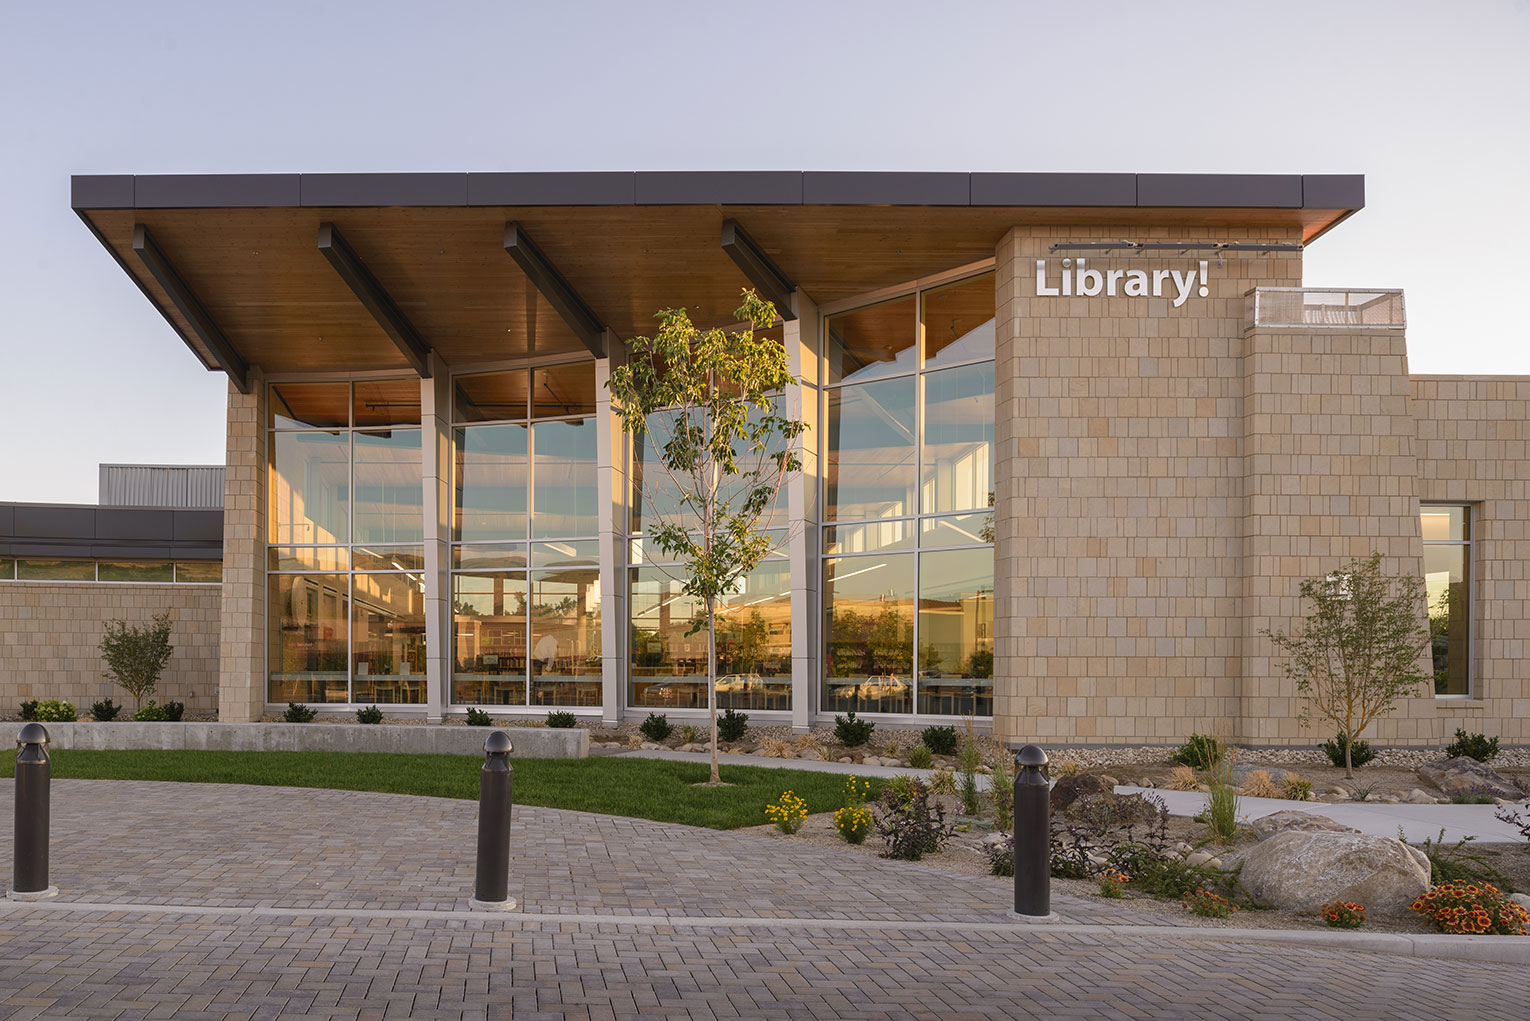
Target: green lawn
(642, 788)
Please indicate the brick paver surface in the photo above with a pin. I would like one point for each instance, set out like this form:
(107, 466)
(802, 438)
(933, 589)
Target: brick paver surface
(343, 905)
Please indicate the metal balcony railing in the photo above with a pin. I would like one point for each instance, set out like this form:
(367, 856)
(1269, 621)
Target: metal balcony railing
(1370, 308)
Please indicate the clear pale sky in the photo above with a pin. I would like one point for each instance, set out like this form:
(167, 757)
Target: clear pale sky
(1431, 101)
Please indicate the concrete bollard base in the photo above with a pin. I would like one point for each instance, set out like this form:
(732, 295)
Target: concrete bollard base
(474, 904)
(33, 895)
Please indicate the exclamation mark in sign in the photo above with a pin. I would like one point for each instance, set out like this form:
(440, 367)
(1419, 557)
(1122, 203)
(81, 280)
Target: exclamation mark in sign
(1204, 280)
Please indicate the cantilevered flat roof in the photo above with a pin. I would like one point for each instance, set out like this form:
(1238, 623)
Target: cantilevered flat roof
(241, 268)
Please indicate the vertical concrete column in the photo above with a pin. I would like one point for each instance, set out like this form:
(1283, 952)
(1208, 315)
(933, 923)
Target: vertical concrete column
(802, 497)
(242, 626)
(435, 472)
(611, 488)
(1015, 692)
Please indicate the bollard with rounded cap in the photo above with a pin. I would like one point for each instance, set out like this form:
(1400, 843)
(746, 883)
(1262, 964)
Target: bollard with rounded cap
(29, 874)
(491, 884)
(1033, 838)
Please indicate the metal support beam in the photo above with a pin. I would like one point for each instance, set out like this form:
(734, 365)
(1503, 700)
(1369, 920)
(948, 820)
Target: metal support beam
(564, 300)
(181, 296)
(377, 301)
(768, 280)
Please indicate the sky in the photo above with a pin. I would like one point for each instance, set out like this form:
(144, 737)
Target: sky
(1431, 101)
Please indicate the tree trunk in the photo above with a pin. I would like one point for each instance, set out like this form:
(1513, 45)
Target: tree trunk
(712, 680)
(1349, 759)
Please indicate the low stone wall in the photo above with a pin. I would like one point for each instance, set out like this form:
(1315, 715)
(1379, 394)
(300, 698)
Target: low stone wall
(526, 742)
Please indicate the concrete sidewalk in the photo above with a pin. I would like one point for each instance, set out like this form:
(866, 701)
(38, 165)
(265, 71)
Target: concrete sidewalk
(816, 765)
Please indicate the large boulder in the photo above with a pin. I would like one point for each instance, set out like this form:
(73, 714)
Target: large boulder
(1069, 789)
(1465, 775)
(1305, 870)
(1304, 822)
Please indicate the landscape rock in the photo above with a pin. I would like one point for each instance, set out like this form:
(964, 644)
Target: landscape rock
(651, 746)
(1465, 775)
(1521, 899)
(1200, 858)
(1268, 826)
(1418, 797)
(847, 760)
(1306, 869)
(1069, 789)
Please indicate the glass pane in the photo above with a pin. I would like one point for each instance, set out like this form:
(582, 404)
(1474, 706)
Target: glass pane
(387, 402)
(654, 494)
(1447, 585)
(199, 572)
(956, 530)
(565, 479)
(492, 480)
(871, 342)
(390, 496)
(491, 396)
(388, 648)
(869, 537)
(389, 558)
(754, 641)
(307, 619)
(501, 556)
(958, 439)
(307, 558)
(585, 553)
(959, 322)
(1443, 524)
(868, 609)
(668, 666)
(956, 633)
(310, 487)
(561, 391)
(733, 492)
(55, 570)
(7, 569)
(565, 637)
(135, 570)
(489, 639)
(869, 448)
(310, 405)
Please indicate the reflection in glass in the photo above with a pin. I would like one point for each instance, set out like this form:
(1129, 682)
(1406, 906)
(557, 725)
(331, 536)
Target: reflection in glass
(314, 559)
(958, 439)
(560, 391)
(959, 322)
(308, 616)
(387, 402)
(653, 492)
(754, 641)
(870, 451)
(388, 639)
(956, 632)
(135, 570)
(565, 637)
(491, 396)
(199, 572)
(956, 530)
(489, 639)
(389, 558)
(492, 482)
(1446, 584)
(312, 405)
(502, 556)
(7, 569)
(572, 553)
(565, 479)
(1443, 524)
(871, 342)
(310, 487)
(28, 569)
(389, 494)
(868, 609)
(667, 665)
(869, 536)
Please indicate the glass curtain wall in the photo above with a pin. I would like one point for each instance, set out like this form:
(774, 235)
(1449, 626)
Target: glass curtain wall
(526, 593)
(345, 606)
(1447, 585)
(908, 498)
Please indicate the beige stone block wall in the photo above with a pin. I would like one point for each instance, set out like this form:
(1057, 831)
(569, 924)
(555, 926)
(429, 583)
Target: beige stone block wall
(50, 635)
(241, 646)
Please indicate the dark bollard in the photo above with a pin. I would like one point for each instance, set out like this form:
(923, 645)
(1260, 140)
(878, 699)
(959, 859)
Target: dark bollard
(491, 887)
(1033, 837)
(30, 874)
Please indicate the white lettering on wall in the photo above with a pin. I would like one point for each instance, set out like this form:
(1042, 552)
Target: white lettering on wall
(1077, 278)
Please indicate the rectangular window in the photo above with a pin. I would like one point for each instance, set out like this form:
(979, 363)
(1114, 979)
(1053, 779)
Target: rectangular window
(956, 632)
(565, 637)
(868, 633)
(199, 572)
(1447, 583)
(55, 570)
(135, 570)
(308, 625)
(7, 569)
(388, 639)
(870, 444)
(489, 638)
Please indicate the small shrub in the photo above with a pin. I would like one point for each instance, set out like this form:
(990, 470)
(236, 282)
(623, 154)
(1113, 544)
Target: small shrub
(853, 822)
(371, 714)
(174, 711)
(560, 720)
(478, 718)
(1296, 788)
(920, 757)
(656, 728)
(855, 790)
(1473, 799)
(1334, 749)
(1001, 791)
(1001, 857)
(1475, 746)
(1459, 863)
(787, 813)
(967, 762)
(1202, 751)
(1466, 908)
(1208, 904)
(904, 787)
(732, 726)
(1259, 784)
(1113, 884)
(939, 740)
(54, 710)
(914, 828)
(1068, 767)
(1183, 778)
(296, 712)
(152, 712)
(1163, 874)
(104, 711)
(851, 732)
(29, 710)
(1343, 914)
(942, 782)
(687, 734)
(1222, 808)
(136, 654)
(777, 748)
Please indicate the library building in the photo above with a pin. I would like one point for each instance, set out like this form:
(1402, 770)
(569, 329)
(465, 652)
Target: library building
(1073, 442)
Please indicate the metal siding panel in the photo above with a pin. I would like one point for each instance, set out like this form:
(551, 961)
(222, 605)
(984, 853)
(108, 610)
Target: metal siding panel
(215, 191)
(134, 523)
(7, 520)
(880, 188)
(722, 187)
(55, 522)
(1333, 191)
(615, 188)
(101, 191)
(198, 526)
(1054, 190)
(1224, 191)
(385, 189)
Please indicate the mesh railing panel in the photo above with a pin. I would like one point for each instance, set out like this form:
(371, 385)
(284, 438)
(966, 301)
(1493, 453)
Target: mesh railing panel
(1294, 306)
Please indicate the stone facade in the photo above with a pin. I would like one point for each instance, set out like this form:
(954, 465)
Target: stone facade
(241, 648)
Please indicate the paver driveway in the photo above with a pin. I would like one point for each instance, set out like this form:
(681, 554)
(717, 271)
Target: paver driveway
(201, 901)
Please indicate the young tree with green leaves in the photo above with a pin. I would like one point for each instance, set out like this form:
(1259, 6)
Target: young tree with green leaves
(723, 455)
(136, 655)
(1359, 649)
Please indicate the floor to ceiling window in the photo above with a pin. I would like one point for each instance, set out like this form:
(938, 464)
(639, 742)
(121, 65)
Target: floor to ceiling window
(908, 494)
(1447, 584)
(345, 604)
